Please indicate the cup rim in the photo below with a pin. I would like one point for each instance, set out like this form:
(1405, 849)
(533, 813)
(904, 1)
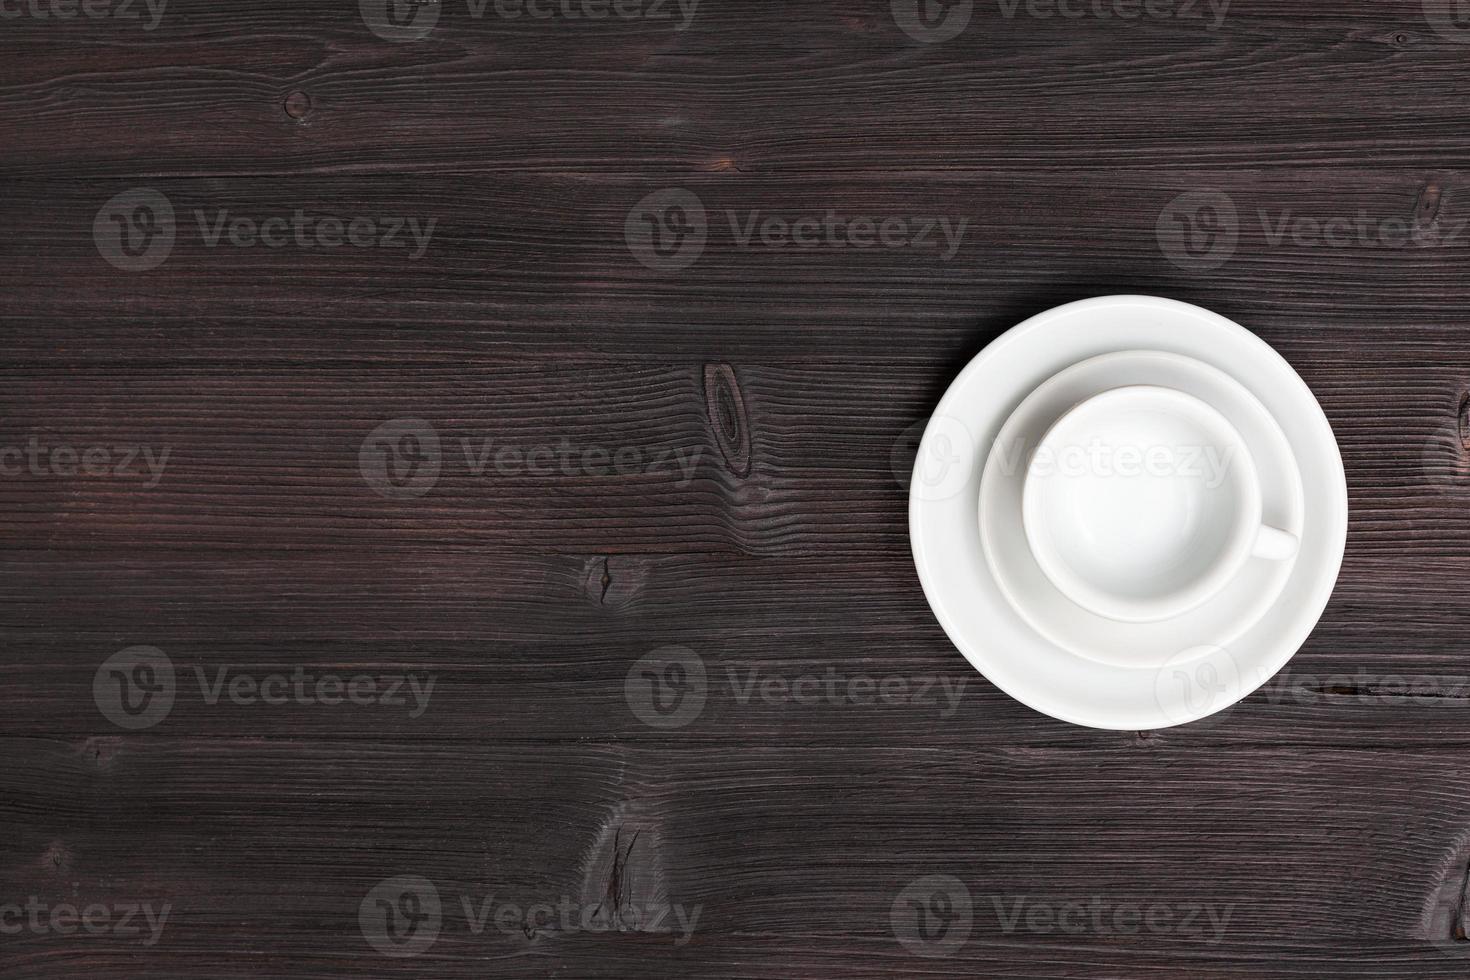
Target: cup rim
(1246, 514)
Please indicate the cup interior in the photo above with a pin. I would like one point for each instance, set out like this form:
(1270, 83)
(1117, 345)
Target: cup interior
(1141, 502)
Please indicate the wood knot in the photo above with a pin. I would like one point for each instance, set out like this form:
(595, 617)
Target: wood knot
(1445, 919)
(1425, 218)
(100, 749)
(297, 105)
(1462, 418)
(614, 581)
(57, 858)
(726, 408)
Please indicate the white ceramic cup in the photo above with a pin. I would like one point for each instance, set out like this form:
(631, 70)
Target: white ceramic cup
(1142, 502)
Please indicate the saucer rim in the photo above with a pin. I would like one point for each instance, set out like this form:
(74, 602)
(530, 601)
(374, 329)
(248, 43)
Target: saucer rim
(1113, 360)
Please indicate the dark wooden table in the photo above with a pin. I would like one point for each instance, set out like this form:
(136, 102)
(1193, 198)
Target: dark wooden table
(580, 390)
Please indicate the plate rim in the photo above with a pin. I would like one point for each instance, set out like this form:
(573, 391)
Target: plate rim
(1321, 591)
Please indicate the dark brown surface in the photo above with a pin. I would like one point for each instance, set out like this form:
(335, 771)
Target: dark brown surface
(1326, 819)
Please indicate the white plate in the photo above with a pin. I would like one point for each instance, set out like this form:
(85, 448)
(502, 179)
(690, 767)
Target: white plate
(1218, 622)
(945, 534)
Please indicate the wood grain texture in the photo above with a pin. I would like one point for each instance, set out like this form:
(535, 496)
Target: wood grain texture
(546, 262)
(746, 87)
(765, 397)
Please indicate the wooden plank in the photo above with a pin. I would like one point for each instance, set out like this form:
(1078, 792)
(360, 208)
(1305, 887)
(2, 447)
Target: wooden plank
(551, 262)
(260, 460)
(800, 834)
(828, 652)
(742, 87)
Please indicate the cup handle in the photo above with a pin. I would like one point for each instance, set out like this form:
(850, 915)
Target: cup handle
(1274, 544)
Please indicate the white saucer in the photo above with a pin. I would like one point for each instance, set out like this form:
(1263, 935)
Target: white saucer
(945, 535)
(1218, 622)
